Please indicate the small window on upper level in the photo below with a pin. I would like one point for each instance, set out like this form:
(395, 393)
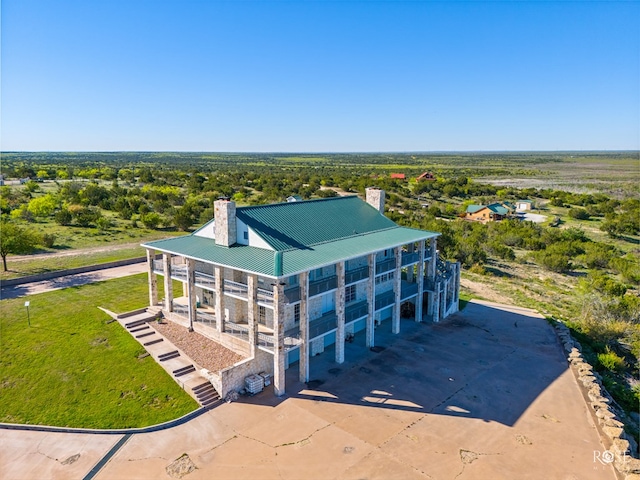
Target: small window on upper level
(246, 235)
(349, 293)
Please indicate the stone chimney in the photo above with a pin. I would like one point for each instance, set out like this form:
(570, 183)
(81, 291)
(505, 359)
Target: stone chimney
(225, 221)
(375, 198)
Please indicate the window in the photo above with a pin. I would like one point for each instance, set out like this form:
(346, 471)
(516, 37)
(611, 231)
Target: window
(293, 280)
(262, 314)
(385, 277)
(296, 312)
(350, 293)
(315, 274)
(246, 235)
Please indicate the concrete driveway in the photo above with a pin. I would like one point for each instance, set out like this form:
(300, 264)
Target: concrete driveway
(486, 394)
(71, 280)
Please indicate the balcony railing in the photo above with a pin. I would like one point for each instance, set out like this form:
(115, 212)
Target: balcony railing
(235, 288)
(265, 297)
(266, 341)
(158, 267)
(384, 300)
(355, 275)
(207, 318)
(179, 272)
(292, 339)
(292, 294)
(205, 281)
(237, 330)
(408, 289)
(409, 257)
(385, 265)
(355, 311)
(324, 324)
(323, 285)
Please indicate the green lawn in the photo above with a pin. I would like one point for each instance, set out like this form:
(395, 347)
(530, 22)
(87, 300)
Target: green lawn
(120, 246)
(72, 368)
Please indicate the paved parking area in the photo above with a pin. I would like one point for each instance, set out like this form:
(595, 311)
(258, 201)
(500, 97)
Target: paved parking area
(486, 394)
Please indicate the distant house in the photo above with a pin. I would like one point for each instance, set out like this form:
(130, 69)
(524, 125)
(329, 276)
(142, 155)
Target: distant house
(398, 176)
(487, 213)
(294, 198)
(524, 205)
(426, 176)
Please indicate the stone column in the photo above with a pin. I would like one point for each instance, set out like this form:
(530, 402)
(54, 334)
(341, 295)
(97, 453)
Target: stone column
(445, 297)
(252, 312)
(456, 291)
(217, 272)
(168, 283)
(420, 274)
(191, 288)
(278, 337)
(153, 279)
(436, 304)
(397, 290)
(304, 327)
(340, 313)
(371, 301)
(431, 273)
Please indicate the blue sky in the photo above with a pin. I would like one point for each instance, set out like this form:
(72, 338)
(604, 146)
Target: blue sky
(325, 76)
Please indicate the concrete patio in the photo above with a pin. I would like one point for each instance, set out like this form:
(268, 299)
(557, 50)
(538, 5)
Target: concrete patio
(484, 394)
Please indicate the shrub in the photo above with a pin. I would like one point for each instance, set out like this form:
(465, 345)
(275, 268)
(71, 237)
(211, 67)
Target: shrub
(104, 224)
(48, 239)
(63, 217)
(579, 213)
(478, 269)
(555, 262)
(611, 361)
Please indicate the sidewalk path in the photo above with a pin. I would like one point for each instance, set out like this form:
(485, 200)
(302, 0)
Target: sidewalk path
(71, 280)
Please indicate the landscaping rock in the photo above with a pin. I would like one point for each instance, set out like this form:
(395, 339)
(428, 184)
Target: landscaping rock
(621, 446)
(612, 432)
(627, 464)
(604, 413)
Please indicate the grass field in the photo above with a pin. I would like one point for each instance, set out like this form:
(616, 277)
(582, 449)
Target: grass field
(73, 368)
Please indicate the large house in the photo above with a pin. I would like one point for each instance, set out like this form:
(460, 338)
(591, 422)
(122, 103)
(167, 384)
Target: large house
(280, 283)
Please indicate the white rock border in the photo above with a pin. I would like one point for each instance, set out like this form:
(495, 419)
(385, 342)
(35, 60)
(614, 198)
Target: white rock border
(622, 447)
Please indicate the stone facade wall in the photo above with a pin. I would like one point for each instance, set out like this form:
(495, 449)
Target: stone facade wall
(315, 307)
(317, 346)
(232, 378)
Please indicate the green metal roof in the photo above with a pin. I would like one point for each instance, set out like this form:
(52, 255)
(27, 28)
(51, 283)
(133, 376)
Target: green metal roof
(474, 208)
(494, 207)
(301, 224)
(295, 260)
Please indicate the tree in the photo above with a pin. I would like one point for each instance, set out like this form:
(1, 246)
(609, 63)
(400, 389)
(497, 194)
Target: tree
(150, 220)
(42, 206)
(15, 240)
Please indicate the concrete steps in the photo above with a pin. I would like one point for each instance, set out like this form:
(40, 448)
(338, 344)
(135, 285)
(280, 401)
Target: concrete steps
(169, 355)
(184, 370)
(206, 395)
(175, 363)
